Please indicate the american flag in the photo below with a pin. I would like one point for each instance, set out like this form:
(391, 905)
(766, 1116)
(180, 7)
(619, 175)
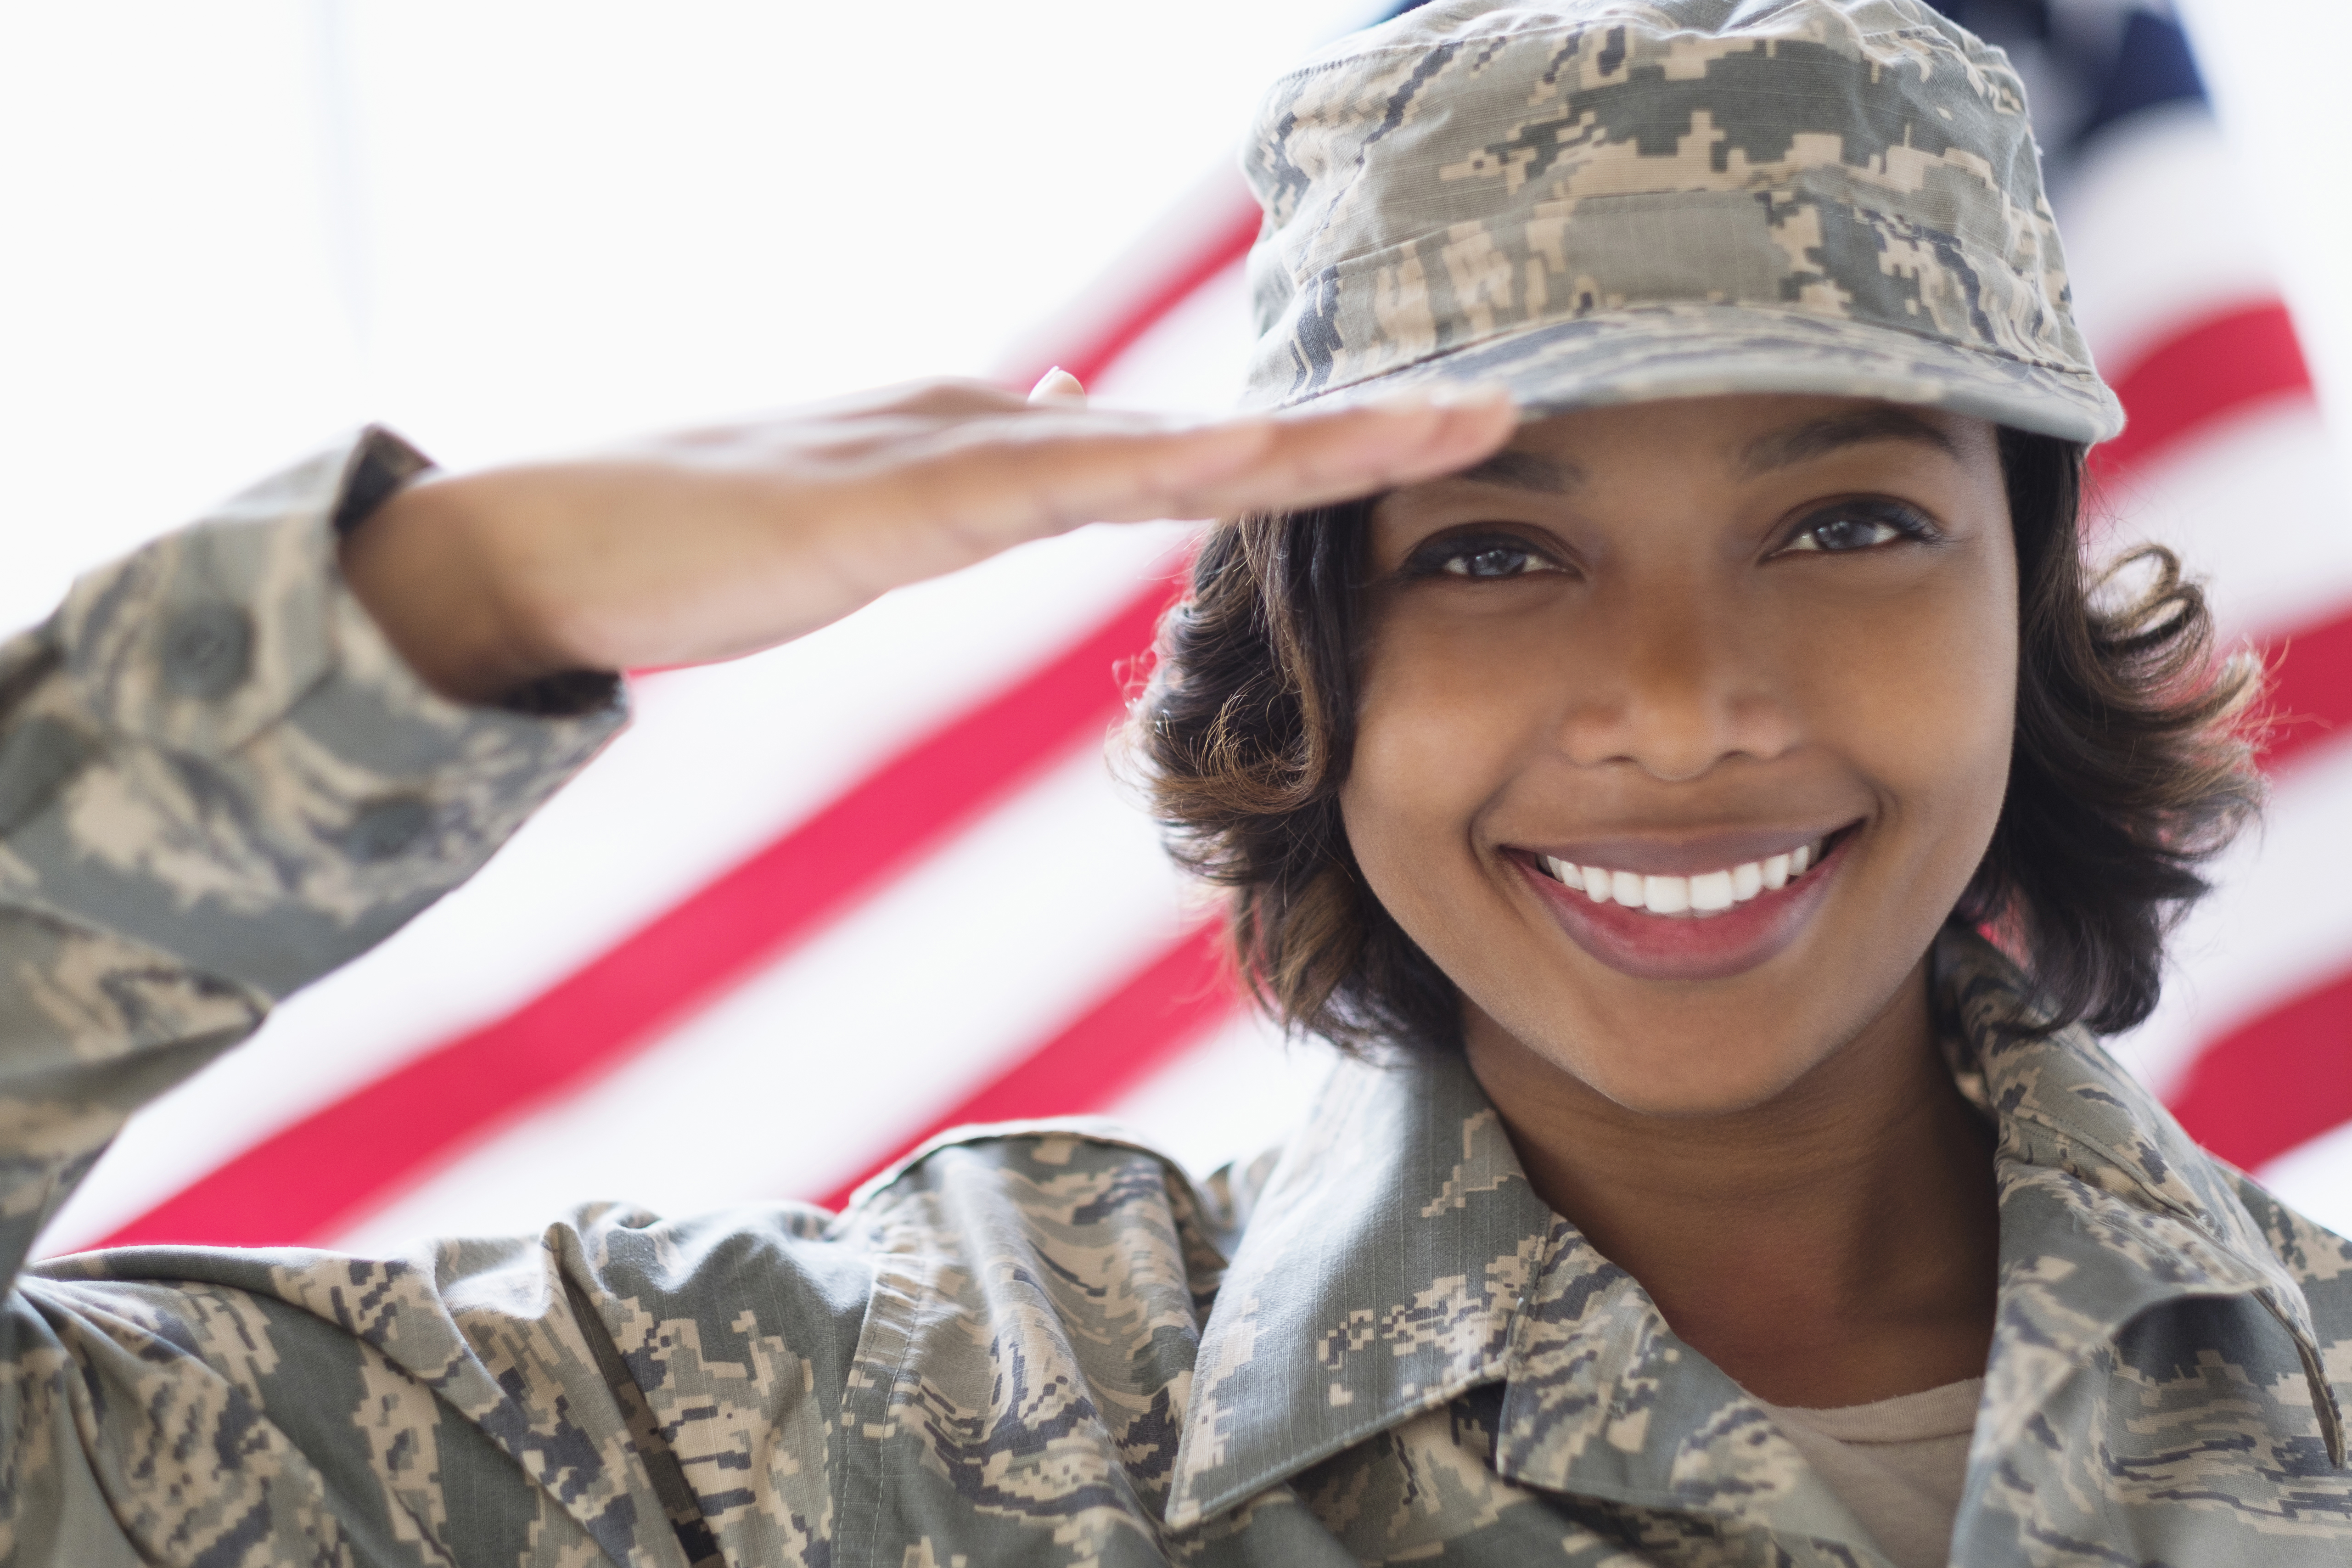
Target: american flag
(822, 903)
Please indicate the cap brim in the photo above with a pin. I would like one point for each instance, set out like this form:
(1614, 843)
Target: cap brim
(1654, 353)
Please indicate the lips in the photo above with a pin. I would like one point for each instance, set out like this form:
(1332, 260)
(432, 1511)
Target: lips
(1653, 922)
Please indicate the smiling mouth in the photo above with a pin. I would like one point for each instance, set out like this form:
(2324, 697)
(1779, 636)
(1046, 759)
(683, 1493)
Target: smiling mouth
(1689, 898)
(1708, 925)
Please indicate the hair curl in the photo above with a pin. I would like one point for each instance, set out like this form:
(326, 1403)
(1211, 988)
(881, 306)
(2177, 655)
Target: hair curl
(2133, 764)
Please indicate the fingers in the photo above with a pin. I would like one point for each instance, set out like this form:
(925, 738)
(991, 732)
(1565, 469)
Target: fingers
(993, 487)
(1319, 459)
(1269, 464)
(939, 397)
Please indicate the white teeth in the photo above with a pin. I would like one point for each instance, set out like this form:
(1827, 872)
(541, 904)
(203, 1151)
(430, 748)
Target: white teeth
(1709, 893)
(1712, 892)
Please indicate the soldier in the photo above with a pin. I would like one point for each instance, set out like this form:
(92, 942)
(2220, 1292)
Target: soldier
(1624, 766)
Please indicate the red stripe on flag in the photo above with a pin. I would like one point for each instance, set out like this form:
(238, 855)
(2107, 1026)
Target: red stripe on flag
(2285, 1076)
(2311, 689)
(2211, 369)
(301, 1182)
(1177, 997)
(2274, 1082)
(1216, 251)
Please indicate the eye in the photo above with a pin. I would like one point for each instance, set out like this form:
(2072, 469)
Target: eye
(1495, 561)
(1850, 526)
(1483, 557)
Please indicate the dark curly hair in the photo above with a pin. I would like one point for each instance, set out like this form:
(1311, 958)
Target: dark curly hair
(2133, 764)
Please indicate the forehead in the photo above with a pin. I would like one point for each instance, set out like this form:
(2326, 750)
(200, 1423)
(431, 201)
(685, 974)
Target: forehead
(1738, 436)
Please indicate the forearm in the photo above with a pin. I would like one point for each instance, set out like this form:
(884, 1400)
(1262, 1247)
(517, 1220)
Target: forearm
(707, 544)
(442, 571)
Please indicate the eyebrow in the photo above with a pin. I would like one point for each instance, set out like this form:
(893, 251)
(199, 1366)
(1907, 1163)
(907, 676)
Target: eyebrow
(1819, 437)
(1524, 471)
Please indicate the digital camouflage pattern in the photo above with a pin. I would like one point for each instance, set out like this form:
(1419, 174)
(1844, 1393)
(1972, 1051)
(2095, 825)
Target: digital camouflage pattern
(1596, 201)
(1037, 1345)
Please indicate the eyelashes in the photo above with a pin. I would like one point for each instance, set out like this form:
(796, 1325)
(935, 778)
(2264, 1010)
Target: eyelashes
(1846, 527)
(1479, 557)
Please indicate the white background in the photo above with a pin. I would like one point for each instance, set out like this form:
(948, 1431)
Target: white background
(234, 228)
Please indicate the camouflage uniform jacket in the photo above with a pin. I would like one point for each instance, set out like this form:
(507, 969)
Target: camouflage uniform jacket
(1037, 1345)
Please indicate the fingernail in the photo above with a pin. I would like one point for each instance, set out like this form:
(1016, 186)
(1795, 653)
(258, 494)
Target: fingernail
(1056, 382)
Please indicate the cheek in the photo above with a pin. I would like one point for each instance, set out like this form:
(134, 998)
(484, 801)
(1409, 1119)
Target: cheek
(1437, 725)
(1923, 696)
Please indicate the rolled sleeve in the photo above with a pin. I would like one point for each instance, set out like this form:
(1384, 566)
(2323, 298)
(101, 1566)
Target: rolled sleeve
(214, 751)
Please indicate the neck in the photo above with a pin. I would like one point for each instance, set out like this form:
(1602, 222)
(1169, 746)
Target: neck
(1835, 1244)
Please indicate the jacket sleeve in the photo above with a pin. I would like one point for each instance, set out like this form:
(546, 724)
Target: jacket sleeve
(217, 783)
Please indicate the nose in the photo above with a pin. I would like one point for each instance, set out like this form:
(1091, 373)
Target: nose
(1673, 681)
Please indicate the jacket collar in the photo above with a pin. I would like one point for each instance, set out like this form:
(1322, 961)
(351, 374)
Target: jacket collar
(1380, 1275)
(2108, 1208)
(1397, 1257)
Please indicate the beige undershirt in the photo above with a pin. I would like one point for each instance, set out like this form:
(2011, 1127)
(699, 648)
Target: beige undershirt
(1898, 1465)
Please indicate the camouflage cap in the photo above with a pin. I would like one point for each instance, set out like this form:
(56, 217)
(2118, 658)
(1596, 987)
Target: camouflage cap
(1605, 200)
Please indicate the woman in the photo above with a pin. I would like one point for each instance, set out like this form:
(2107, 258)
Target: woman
(1625, 789)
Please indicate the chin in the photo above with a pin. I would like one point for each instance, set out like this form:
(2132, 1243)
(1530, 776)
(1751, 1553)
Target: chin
(1695, 1058)
(1704, 1087)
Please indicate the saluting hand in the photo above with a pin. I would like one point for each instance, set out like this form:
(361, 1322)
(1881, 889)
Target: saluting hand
(710, 544)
